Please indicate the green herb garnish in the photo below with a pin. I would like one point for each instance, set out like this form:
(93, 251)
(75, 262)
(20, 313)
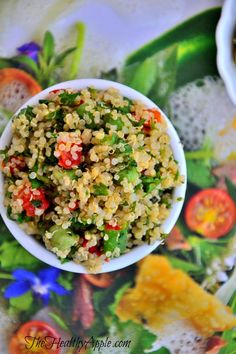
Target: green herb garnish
(36, 203)
(36, 183)
(100, 189)
(68, 98)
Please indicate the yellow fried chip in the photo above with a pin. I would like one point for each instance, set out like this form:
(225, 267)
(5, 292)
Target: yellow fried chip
(163, 295)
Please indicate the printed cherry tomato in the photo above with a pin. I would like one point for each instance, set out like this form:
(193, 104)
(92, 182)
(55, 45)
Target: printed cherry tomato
(33, 199)
(16, 87)
(71, 158)
(157, 118)
(111, 227)
(26, 339)
(211, 213)
(100, 280)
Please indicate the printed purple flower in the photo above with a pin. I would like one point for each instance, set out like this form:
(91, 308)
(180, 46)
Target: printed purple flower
(30, 49)
(40, 284)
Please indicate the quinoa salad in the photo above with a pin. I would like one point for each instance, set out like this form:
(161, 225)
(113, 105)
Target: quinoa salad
(90, 174)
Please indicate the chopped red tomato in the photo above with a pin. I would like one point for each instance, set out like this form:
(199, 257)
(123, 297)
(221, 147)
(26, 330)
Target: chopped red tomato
(111, 227)
(25, 339)
(33, 199)
(85, 242)
(71, 158)
(15, 164)
(74, 207)
(100, 280)
(93, 249)
(96, 250)
(56, 90)
(211, 213)
(157, 118)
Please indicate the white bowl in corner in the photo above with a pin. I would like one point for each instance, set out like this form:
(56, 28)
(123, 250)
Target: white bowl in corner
(39, 250)
(224, 39)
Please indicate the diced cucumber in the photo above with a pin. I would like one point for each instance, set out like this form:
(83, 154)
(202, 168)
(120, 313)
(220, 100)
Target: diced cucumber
(62, 239)
(116, 239)
(130, 173)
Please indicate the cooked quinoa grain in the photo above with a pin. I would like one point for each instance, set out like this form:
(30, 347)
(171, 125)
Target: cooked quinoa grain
(90, 174)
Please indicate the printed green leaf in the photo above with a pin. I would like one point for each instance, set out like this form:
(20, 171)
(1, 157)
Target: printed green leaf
(29, 62)
(197, 49)
(12, 256)
(155, 76)
(145, 75)
(166, 76)
(76, 58)
(5, 63)
(62, 56)
(128, 73)
(5, 234)
(58, 320)
(162, 350)
(231, 187)
(105, 302)
(205, 250)
(141, 338)
(5, 116)
(199, 174)
(23, 302)
(184, 265)
(48, 47)
(117, 298)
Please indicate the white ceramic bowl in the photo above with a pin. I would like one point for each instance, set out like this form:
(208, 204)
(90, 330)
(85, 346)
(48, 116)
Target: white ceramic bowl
(224, 35)
(40, 251)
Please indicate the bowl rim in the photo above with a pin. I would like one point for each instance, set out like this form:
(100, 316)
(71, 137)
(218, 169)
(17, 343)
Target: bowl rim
(138, 252)
(224, 35)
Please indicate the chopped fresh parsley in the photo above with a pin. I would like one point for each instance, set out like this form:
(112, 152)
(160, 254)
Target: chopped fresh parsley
(56, 115)
(28, 112)
(110, 139)
(150, 183)
(68, 98)
(22, 217)
(36, 203)
(36, 183)
(100, 189)
(109, 120)
(126, 108)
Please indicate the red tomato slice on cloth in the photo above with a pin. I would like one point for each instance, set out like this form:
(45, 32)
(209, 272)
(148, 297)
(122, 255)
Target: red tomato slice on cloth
(23, 341)
(211, 213)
